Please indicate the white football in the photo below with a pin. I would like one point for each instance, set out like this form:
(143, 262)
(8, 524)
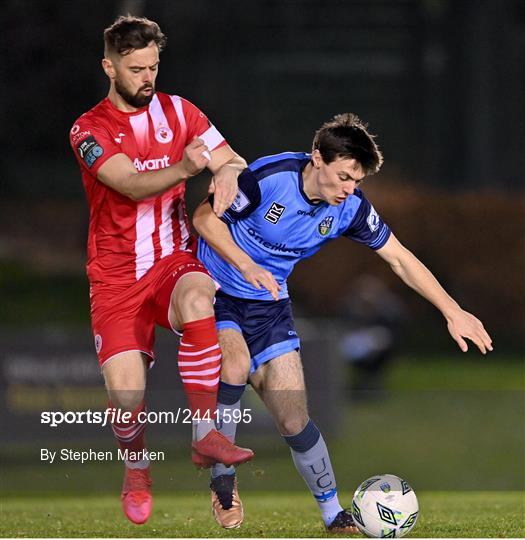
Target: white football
(385, 506)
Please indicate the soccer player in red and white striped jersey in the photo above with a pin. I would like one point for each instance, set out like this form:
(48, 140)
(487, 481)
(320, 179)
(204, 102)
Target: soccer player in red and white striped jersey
(136, 149)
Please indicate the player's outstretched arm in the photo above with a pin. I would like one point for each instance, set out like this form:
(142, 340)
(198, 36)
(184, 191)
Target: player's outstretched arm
(218, 236)
(225, 166)
(119, 173)
(413, 272)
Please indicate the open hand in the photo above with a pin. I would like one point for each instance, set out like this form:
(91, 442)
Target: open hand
(462, 324)
(259, 277)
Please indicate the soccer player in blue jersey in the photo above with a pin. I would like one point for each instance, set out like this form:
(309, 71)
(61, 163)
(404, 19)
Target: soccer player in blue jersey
(287, 207)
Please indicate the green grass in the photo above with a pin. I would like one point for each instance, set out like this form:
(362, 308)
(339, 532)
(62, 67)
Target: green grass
(442, 437)
(436, 440)
(450, 427)
(442, 514)
(471, 372)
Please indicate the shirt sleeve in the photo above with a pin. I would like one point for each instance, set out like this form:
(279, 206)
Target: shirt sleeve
(247, 200)
(367, 227)
(92, 145)
(198, 125)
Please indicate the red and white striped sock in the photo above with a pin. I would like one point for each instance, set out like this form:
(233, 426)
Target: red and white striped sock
(200, 367)
(130, 436)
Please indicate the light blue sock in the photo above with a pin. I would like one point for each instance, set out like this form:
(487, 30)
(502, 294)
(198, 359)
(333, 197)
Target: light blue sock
(310, 456)
(228, 401)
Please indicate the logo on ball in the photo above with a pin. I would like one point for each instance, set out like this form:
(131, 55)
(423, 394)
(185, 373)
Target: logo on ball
(385, 507)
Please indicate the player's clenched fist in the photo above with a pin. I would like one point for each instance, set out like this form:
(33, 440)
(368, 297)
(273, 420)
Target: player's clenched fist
(195, 157)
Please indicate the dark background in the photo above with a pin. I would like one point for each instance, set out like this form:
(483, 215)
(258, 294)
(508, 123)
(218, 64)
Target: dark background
(441, 82)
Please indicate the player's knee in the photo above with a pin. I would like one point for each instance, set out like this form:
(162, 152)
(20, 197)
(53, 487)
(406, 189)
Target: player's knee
(195, 303)
(292, 424)
(235, 370)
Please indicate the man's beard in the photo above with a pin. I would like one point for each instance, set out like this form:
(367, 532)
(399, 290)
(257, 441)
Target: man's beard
(137, 100)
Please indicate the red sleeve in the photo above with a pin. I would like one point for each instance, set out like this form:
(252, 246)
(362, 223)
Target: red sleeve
(92, 145)
(198, 124)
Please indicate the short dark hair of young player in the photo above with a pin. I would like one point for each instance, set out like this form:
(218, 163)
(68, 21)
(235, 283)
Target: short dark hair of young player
(128, 33)
(346, 136)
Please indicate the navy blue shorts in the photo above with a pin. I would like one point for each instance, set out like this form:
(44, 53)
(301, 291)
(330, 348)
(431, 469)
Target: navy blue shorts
(266, 325)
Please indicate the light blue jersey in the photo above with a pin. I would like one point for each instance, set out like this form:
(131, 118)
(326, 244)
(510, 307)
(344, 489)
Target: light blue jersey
(273, 221)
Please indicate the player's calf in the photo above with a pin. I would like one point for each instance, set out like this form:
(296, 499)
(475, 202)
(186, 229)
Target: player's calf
(310, 456)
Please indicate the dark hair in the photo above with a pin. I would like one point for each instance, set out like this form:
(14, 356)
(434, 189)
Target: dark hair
(347, 137)
(128, 33)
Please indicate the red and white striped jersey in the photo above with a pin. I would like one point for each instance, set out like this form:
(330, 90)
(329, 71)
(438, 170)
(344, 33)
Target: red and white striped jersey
(127, 237)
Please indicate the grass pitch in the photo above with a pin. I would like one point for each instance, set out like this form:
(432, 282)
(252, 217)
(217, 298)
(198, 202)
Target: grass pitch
(441, 427)
(267, 515)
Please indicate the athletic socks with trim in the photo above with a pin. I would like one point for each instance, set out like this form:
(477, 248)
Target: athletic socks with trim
(130, 436)
(312, 461)
(228, 401)
(199, 361)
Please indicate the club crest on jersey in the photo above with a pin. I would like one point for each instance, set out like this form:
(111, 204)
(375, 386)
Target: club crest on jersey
(163, 134)
(373, 219)
(274, 213)
(98, 343)
(326, 225)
